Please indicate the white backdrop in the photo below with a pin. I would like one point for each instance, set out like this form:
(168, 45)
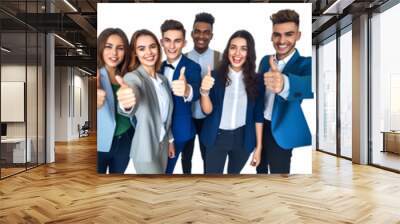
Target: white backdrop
(229, 17)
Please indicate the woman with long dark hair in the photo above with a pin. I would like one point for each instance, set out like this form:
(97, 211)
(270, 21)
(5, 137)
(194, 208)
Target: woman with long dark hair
(114, 131)
(232, 98)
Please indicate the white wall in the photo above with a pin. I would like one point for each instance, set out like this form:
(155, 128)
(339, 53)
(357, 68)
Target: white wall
(70, 84)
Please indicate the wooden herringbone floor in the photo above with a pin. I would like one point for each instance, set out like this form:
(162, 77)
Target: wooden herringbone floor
(70, 191)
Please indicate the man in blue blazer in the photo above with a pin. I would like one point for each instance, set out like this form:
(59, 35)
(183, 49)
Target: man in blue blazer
(184, 76)
(287, 78)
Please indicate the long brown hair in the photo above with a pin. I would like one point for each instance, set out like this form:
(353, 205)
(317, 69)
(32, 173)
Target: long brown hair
(249, 67)
(122, 68)
(135, 63)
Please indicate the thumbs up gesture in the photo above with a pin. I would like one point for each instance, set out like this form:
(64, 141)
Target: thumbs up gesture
(180, 87)
(125, 95)
(273, 79)
(208, 81)
(101, 94)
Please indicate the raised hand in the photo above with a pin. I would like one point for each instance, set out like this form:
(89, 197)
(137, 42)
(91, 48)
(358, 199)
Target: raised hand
(208, 81)
(101, 94)
(273, 79)
(125, 95)
(179, 86)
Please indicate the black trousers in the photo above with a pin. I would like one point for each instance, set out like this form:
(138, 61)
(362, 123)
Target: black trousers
(227, 144)
(187, 153)
(272, 155)
(117, 158)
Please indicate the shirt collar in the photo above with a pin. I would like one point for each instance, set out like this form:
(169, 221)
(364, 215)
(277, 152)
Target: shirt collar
(287, 59)
(207, 52)
(234, 74)
(156, 79)
(176, 62)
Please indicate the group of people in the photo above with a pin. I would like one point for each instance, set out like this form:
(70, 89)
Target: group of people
(151, 110)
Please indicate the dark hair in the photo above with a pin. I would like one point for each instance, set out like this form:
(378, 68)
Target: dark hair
(249, 66)
(122, 68)
(135, 63)
(284, 16)
(204, 17)
(171, 24)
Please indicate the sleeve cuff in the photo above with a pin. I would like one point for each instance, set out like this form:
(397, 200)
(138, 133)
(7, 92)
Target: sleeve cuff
(286, 87)
(124, 110)
(190, 97)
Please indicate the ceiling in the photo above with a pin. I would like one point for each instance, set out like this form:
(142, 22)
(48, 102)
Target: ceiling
(76, 20)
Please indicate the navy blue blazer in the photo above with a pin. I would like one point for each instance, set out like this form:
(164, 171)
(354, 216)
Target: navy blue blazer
(183, 127)
(254, 114)
(288, 123)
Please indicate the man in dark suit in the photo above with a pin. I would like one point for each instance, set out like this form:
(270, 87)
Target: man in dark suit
(287, 78)
(184, 77)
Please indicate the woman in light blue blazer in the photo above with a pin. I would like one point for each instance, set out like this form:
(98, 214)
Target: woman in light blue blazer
(114, 131)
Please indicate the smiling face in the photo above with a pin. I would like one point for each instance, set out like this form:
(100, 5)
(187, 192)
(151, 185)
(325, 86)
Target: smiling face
(202, 35)
(173, 41)
(237, 53)
(284, 37)
(147, 51)
(113, 53)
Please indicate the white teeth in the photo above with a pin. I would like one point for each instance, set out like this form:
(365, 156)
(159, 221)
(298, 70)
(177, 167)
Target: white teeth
(236, 60)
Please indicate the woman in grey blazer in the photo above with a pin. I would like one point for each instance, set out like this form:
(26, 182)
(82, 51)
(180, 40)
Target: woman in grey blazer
(146, 94)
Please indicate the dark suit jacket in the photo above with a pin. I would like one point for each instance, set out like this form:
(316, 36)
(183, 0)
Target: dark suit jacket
(254, 114)
(183, 127)
(288, 123)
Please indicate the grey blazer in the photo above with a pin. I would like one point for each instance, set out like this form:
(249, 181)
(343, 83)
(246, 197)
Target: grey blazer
(149, 155)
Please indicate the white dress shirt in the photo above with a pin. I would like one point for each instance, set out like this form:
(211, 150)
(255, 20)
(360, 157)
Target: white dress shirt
(270, 96)
(235, 102)
(204, 59)
(169, 73)
(163, 102)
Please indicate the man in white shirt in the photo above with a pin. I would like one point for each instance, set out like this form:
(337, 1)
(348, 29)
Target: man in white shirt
(184, 77)
(202, 34)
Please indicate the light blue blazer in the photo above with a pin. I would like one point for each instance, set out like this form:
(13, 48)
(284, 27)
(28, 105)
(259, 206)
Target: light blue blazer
(106, 115)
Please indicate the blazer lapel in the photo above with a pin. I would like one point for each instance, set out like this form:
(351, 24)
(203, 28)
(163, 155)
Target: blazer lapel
(221, 92)
(178, 68)
(106, 85)
(291, 61)
(152, 92)
(170, 105)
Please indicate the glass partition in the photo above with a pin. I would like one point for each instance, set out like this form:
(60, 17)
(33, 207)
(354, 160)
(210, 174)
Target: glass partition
(327, 96)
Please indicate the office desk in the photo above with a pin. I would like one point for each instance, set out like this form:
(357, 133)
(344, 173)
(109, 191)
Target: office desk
(391, 141)
(16, 147)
